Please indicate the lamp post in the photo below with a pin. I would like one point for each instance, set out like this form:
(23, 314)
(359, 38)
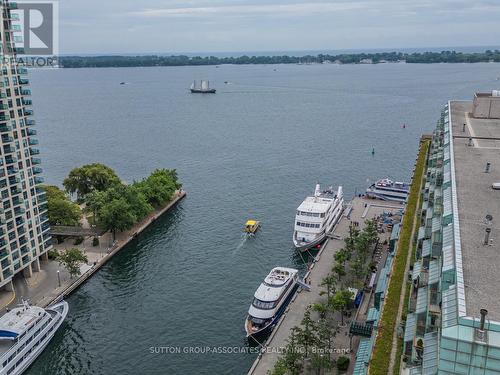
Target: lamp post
(59, 278)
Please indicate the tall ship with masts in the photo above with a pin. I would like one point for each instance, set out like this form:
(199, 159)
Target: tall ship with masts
(203, 88)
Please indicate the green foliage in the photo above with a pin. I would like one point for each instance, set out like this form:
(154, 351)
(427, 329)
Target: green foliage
(340, 300)
(78, 240)
(380, 362)
(53, 254)
(159, 187)
(71, 259)
(60, 209)
(343, 363)
(116, 215)
(344, 58)
(87, 178)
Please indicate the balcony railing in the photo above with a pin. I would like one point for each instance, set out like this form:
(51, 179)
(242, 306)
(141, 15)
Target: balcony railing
(31, 132)
(28, 112)
(37, 170)
(26, 92)
(33, 142)
(36, 161)
(24, 81)
(30, 122)
(34, 151)
(5, 128)
(27, 102)
(39, 180)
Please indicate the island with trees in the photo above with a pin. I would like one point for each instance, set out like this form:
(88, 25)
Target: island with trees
(344, 58)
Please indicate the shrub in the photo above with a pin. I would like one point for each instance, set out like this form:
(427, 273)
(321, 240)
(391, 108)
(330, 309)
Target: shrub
(343, 363)
(78, 240)
(52, 254)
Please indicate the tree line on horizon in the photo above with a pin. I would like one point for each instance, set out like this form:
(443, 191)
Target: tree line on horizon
(354, 58)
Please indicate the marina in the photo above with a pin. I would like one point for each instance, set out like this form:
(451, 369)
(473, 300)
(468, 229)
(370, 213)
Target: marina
(181, 247)
(359, 210)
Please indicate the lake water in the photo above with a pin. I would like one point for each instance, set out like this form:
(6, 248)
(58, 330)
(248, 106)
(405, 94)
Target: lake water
(253, 150)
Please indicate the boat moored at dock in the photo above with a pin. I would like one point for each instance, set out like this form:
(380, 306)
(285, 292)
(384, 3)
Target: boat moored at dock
(270, 301)
(25, 331)
(388, 190)
(316, 216)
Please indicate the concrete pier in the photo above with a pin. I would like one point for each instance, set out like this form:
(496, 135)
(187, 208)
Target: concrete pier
(361, 209)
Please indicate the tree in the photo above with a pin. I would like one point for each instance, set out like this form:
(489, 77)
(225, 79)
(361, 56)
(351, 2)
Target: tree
(340, 301)
(60, 209)
(71, 259)
(306, 334)
(94, 201)
(159, 187)
(329, 283)
(339, 270)
(117, 215)
(88, 178)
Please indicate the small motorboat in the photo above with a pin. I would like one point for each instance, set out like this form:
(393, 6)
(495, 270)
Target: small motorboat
(251, 226)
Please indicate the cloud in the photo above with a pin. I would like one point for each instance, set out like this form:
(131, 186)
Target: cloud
(250, 9)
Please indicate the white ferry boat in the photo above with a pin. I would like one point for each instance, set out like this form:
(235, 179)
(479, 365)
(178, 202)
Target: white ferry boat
(24, 332)
(316, 217)
(388, 190)
(270, 301)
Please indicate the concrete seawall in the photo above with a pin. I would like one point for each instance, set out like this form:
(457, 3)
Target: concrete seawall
(115, 249)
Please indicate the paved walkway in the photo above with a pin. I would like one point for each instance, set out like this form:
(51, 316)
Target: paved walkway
(48, 284)
(362, 209)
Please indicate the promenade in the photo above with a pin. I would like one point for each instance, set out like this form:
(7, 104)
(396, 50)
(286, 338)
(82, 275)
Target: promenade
(53, 282)
(361, 209)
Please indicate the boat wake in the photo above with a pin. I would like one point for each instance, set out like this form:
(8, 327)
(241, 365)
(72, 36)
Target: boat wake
(241, 244)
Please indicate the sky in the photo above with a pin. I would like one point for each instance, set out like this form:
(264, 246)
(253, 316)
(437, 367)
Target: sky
(175, 26)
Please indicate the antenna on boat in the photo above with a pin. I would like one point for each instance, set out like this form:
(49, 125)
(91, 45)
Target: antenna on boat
(317, 191)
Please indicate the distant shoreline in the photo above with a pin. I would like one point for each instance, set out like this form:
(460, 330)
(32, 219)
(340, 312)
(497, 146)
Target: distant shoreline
(345, 58)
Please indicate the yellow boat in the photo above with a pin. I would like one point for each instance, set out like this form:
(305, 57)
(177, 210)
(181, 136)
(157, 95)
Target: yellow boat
(251, 226)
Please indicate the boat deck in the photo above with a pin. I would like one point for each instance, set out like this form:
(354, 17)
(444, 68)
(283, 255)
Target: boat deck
(295, 312)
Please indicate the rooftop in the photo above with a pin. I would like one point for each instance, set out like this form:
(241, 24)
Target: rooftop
(476, 199)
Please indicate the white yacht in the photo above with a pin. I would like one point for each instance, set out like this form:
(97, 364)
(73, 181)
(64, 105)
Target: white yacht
(270, 301)
(316, 217)
(389, 190)
(24, 332)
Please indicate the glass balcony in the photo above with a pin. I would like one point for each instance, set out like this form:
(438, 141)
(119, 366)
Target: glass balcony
(23, 81)
(12, 5)
(28, 112)
(10, 149)
(19, 50)
(30, 122)
(34, 151)
(33, 141)
(4, 107)
(3, 254)
(15, 27)
(27, 102)
(22, 70)
(4, 117)
(37, 170)
(36, 161)
(7, 138)
(26, 92)
(19, 211)
(10, 159)
(12, 170)
(5, 128)
(31, 132)
(14, 16)
(14, 180)
(7, 273)
(39, 180)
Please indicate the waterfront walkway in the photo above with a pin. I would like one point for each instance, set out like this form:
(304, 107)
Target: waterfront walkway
(49, 285)
(362, 209)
